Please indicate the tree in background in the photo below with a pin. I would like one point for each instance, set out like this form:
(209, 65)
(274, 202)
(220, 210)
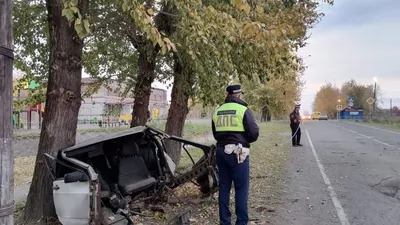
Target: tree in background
(360, 93)
(326, 100)
(274, 98)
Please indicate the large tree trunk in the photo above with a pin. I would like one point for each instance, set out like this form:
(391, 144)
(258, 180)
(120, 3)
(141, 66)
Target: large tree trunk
(269, 117)
(147, 65)
(178, 109)
(6, 126)
(264, 113)
(63, 99)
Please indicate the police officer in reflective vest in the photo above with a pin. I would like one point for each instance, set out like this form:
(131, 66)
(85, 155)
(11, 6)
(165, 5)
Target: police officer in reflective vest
(234, 128)
(295, 126)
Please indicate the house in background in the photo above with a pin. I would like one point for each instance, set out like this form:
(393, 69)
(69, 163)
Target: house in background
(107, 106)
(104, 105)
(351, 113)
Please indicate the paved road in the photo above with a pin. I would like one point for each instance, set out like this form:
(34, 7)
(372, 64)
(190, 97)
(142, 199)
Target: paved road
(344, 174)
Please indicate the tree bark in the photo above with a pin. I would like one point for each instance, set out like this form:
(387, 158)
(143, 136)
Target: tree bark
(6, 126)
(264, 112)
(269, 117)
(147, 65)
(178, 110)
(63, 99)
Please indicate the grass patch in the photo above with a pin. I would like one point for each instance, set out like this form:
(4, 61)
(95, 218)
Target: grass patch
(19, 210)
(190, 130)
(267, 173)
(23, 170)
(388, 123)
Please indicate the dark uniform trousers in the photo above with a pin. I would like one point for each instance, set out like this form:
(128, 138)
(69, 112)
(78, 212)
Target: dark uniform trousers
(295, 136)
(231, 171)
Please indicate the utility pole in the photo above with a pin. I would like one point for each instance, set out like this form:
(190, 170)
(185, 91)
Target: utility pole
(7, 204)
(374, 97)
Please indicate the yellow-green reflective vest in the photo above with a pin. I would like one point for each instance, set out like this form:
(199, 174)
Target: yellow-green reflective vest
(229, 117)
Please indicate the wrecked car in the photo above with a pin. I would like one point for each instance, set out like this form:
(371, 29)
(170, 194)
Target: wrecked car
(97, 181)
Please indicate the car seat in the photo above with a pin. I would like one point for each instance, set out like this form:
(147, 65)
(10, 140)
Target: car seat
(133, 175)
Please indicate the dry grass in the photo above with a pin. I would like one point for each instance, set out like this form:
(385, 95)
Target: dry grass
(23, 170)
(382, 123)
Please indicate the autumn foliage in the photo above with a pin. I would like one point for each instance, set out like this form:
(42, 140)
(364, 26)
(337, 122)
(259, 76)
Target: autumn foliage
(330, 96)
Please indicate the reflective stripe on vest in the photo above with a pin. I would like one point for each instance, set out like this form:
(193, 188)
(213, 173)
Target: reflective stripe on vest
(229, 117)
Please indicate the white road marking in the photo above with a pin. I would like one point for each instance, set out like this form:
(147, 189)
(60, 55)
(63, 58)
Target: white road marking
(339, 209)
(362, 135)
(384, 143)
(389, 131)
(355, 132)
(380, 142)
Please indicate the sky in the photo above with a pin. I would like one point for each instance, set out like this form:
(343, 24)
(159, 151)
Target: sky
(356, 39)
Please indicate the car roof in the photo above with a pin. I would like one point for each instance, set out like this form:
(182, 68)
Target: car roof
(106, 137)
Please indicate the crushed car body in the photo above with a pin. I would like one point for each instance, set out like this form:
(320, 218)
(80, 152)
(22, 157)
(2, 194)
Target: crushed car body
(97, 181)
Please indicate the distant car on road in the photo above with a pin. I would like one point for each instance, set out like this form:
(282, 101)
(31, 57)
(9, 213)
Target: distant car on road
(315, 115)
(323, 117)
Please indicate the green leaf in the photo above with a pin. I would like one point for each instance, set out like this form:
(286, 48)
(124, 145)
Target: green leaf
(164, 50)
(146, 21)
(259, 10)
(75, 9)
(124, 6)
(246, 8)
(86, 25)
(78, 21)
(150, 11)
(68, 13)
(79, 29)
(64, 12)
(74, 2)
(236, 2)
